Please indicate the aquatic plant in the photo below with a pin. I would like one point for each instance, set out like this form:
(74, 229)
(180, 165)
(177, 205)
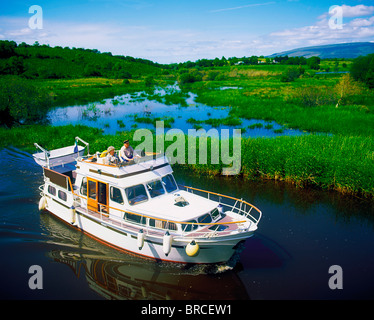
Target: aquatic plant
(216, 122)
(91, 111)
(256, 126)
(121, 124)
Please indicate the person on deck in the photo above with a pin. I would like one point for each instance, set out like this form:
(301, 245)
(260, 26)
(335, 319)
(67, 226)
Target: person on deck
(111, 157)
(127, 153)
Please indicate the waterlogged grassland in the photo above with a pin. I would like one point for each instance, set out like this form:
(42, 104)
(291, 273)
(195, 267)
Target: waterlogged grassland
(270, 99)
(342, 159)
(86, 90)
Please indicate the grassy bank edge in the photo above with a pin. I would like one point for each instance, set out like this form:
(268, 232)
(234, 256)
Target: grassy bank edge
(341, 163)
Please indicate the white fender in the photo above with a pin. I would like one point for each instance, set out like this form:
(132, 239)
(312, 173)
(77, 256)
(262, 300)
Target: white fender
(140, 239)
(166, 245)
(73, 214)
(192, 249)
(42, 203)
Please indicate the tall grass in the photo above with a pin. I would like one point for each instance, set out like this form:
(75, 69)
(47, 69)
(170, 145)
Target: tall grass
(341, 163)
(335, 162)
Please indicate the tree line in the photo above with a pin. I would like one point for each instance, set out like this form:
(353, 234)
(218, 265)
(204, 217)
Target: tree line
(44, 62)
(312, 62)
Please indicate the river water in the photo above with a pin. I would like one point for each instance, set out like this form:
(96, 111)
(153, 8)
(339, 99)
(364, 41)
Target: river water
(302, 233)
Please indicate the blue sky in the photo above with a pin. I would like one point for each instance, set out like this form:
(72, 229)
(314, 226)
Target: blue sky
(173, 31)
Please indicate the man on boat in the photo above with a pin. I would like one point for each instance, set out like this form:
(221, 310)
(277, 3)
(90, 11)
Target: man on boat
(127, 153)
(111, 157)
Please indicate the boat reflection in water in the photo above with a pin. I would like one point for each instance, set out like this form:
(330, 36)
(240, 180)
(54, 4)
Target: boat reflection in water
(115, 275)
(149, 280)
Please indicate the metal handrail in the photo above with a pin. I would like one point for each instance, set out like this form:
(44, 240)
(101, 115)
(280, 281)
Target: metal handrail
(87, 145)
(241, 201)
(45, 151)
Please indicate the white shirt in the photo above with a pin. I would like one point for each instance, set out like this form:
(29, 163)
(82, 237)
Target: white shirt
(127, 153)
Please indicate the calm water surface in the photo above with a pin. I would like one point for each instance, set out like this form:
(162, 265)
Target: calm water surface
(302, 233)
(117, 114)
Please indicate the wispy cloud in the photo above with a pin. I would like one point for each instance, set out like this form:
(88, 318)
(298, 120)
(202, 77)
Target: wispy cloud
(319, 33)
(242, 7)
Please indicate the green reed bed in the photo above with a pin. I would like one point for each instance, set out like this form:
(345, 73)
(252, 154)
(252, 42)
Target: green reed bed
(335, 162)
(341, 163)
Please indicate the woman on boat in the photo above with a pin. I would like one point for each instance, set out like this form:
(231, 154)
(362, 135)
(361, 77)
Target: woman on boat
(111, 157)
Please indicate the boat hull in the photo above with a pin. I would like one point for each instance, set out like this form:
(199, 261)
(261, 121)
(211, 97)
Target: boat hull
(211, 250)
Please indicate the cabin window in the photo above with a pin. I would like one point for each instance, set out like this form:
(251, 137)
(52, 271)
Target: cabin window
(84, 187)
(169, 183)
(52, 190)
(92, 189)
(136, 194)
(116, 195)
(189, 227)
(215, 213)
(62, 195)
(206, 218)
(162, 224)
(155, 188)
(135, 218)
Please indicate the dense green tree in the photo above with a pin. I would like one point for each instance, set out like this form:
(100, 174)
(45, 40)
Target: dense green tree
(189, 77)
(14, 66)
(362, 69)
(42, 61)
(7, 49)
(21, 102)
(291, 73)
(369, 78)
(92, 70)
(313, 63)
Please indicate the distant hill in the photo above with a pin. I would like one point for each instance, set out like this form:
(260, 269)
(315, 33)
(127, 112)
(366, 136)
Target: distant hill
(343, 50)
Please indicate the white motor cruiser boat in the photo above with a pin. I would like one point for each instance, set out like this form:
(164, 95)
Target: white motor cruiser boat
(139, 208)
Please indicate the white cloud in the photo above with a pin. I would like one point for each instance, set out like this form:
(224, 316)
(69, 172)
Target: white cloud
(357, 11)
(176, 45)
(362, 22)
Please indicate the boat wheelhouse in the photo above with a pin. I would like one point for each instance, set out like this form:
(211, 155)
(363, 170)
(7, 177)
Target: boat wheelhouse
(138, 207)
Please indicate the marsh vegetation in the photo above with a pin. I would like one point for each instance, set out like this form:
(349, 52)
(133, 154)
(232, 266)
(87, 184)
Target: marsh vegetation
(312, 96)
